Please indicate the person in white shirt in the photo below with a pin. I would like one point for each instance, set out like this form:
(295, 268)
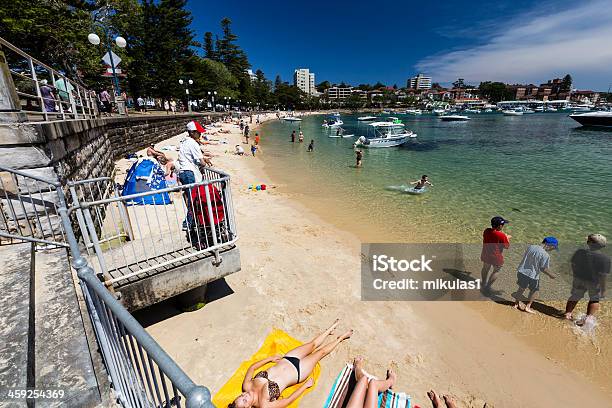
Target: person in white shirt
(190, 158)
(239, 150)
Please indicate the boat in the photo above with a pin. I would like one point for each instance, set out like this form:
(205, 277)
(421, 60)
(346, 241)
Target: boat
(471, 111)
(439, 112)
(414, 112)
(337, 114)
(512, 112)
(291, 119)
(366, 118)
(385, 134)
(340, 134)
(539, 109)
(593, 119)
(333, 123)
(454, 118)
(528, 111)
(551, 109)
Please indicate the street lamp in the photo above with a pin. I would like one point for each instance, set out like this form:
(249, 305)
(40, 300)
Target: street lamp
(187, 83)
(100, 20)
(213, 93)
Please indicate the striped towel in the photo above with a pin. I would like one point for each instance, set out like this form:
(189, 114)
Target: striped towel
(343, 387)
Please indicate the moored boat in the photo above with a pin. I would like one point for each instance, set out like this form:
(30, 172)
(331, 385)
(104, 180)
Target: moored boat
(454, 118)
(593, 119)
(385, 134)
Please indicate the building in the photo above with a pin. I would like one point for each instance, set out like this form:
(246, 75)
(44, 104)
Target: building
(419, 82)
(338, 93)
(305, 81)
(251, 75)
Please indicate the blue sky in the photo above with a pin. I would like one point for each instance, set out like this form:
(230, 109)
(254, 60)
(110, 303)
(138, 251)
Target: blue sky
(364, 42)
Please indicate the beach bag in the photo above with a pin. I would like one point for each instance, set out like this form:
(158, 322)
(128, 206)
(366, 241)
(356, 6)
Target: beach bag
(200, 235)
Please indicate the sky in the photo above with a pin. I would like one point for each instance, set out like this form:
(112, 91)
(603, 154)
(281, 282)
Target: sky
(513, 41)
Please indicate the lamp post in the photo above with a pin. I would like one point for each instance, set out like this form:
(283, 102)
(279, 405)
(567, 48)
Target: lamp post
(100, 20)
(187, 83)
(212, 94)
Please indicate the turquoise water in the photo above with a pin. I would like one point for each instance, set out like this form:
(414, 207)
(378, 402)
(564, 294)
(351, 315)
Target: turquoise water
(542, 171)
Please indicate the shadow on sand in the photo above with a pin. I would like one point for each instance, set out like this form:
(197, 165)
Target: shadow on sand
(169, 308)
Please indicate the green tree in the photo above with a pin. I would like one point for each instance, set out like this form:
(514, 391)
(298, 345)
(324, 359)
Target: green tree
(566, 83)
(321, 87)
(229, 52)
(209, 46)
(354, 102)
(494, 91)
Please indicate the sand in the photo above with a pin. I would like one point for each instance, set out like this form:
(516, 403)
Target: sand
(299, 273)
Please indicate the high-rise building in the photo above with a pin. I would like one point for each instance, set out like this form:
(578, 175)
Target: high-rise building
(305, 81)
(419, 82)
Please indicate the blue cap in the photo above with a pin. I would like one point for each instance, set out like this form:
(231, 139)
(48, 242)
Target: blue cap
(497, 221)
(551, 241)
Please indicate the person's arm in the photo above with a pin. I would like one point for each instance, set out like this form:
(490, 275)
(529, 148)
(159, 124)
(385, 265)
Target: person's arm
(429, 183)
(249, 374)
(285, 402)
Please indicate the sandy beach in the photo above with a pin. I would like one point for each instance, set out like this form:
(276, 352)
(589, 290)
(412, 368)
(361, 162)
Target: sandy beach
(299, 273)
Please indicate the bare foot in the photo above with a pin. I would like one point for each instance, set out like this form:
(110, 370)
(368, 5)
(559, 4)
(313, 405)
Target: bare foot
(391, 377)
(435, 400)
(519, 305)
(449, 401)
(331, 328)
(346, 335)
(358, 365)
(529, 310)
(568, 316)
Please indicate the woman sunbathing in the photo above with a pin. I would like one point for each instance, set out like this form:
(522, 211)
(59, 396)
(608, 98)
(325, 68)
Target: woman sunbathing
(264, 390)
(365, 393)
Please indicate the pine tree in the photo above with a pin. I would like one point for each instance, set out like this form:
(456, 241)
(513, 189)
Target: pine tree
(229, 53)
(209, 46)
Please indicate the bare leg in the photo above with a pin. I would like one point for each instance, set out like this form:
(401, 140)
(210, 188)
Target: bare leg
(484, 274)
(532, 295)
(592, 308)
(569, 308)
(377, 386)
(361, 388)
(519, 295)
(435, 400)
(308, 363)
(306, 349)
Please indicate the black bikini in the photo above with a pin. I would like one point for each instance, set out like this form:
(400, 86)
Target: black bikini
(296, 363)
(273, 388)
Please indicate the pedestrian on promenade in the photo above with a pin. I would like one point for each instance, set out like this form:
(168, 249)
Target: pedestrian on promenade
(141, 104)
(105, 98)
(48, 96)
(494, 241)
(536, 260)
(173, 106)
(167, 107)
(590, 268)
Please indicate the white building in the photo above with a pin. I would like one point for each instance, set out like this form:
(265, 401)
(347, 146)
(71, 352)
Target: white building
(419, 82)
(336, 92)
(251, 75)
(305, 81)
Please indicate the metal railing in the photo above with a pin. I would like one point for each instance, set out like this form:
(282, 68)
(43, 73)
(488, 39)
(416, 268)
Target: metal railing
(142, 374)
(44, 92)
(134, 234)
(29, 209)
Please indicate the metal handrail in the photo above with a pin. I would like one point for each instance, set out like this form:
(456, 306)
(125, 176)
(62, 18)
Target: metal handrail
(78, 102)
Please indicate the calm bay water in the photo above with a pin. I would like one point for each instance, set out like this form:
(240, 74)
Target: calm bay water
(542, 171)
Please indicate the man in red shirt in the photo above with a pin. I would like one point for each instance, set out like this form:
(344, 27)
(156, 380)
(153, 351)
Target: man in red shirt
(494, 241)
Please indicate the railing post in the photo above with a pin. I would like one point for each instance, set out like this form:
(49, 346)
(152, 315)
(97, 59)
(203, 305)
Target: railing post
(199, 397)
(9, 100)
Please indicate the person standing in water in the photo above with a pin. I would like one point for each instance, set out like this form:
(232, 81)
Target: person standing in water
(494, 241)
(358, 157)
(419, 184)
(293, 137)
(301, 137)
(311, 146)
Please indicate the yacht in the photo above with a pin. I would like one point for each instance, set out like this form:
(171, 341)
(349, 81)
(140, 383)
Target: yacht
(471, 111)
(291, 119)
(333, 122)
(439, 112)
(454, 118)
(385, 134)
(366, 118)
(414, 112)
(512, 112)
(595, 119)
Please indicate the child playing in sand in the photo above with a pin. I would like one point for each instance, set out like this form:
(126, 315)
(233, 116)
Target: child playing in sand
(535, 261)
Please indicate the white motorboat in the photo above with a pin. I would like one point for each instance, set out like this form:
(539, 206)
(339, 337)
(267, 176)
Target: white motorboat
(366, 118)
(414, 112)
(454, 118)
(291, 119)
(333, 123)
(439, 112)
(341, 133)
(528, 111)
(337, 114)
(551, 109)
(595, 119)
(385, 134)
(472, 111)
(513, 112)
(539, 109)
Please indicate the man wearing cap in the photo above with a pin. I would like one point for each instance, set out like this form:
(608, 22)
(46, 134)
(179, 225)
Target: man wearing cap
(590, 268)
(494, 241)
(190, 158)
(535, 261)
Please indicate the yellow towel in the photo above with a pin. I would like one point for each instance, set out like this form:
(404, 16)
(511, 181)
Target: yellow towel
(277, 342)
